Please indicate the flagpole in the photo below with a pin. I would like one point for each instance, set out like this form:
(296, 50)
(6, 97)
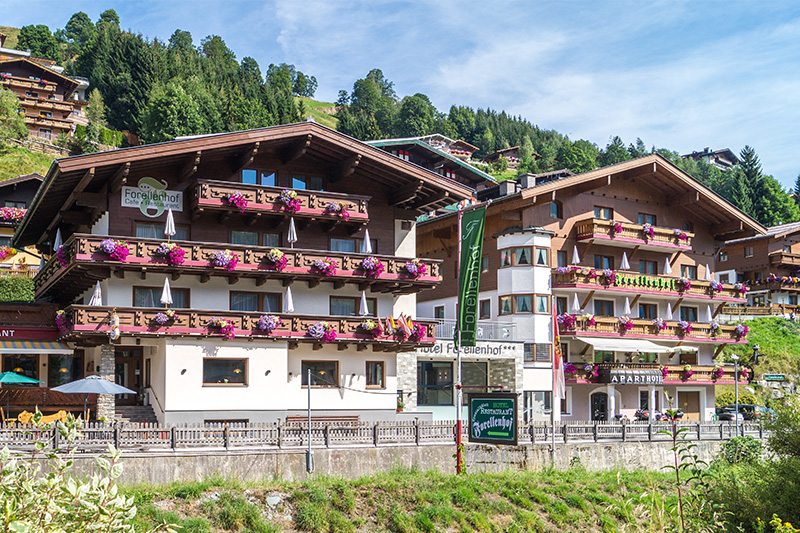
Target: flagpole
(459, 444)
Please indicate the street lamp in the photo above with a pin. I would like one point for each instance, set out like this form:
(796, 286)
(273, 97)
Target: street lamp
(736, 389)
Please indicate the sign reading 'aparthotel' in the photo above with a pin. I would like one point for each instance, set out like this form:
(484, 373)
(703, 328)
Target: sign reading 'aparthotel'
(152, 198)
(493, 418)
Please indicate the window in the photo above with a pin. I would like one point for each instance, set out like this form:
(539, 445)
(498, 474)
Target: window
(648, 267)
(484, 264)
(645, 218)
(30, 94)
(244, 301)
(748, 251)
(543, 352)
(27, 365)
(375, 375)
(148, 230)
(434, 383)
(542, 304)
(505, 305)
(224, 371)
(792, 299)
(64, 368)
(689, 271)
(603, 357)
(687, 226)
(273, 240)
(644, 399)
(350, 246)
(648, 357)
(522, 303)
(151, 297)
(438, 311)
(723, 256)
(505, 258)
(258, 177)
(604, 307)
(147, 373)
(724, 278)
(536, 404)
(541, 256)
(649, 311)
(323, 373)
(246, 238)
(689, 314)
(485, 309)
(349, 306)
(5, 240)
(566, 402)
(603, 213)
(18, 205)
(561, 305)
(522, 256)
(312, 183)
(271, 302)
(556, 210)
(602, 262)
(786, 249)
(561, 258)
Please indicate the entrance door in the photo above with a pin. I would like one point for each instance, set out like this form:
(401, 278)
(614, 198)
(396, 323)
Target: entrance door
(599, 403)
(128, 373)
(689, 403)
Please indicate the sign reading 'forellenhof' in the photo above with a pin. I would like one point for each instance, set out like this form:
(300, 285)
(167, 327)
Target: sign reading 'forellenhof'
(151, 197)
(493, 418)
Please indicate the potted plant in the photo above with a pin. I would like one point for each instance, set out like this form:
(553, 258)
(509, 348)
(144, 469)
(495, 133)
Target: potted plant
(400, 405)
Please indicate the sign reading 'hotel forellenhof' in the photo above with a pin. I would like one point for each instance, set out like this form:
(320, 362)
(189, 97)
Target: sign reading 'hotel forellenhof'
(493, 418)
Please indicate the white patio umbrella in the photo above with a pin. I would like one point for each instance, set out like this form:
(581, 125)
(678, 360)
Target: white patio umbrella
(166, 293)
(364, 310)
(288, 303)
(92, 385)
(669, 311)
(576, 304)
(667, 268)
(709, 315)
(576, 259)
(366, 244)
(709, 277)
(169, 227)
(292, 233)
(58, 241)
(97, 296)
(627, 311)
(625, 265)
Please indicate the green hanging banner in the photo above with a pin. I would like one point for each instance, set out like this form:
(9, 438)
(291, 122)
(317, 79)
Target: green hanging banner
(469, 275)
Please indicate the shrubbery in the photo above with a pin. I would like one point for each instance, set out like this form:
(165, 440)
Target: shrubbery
(16, 289)
(742, 450)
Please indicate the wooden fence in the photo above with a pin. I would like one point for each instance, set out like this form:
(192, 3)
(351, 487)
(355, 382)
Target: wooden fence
(152, 437)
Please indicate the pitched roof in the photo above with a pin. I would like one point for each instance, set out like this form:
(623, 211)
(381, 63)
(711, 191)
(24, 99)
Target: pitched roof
(68, 83)
(777, 232)
(22, 179)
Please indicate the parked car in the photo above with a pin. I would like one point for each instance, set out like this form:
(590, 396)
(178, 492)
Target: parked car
(728, 413)
(753, 412)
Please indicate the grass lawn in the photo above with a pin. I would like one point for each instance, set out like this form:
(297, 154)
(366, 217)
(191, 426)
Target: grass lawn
(411, 501)
(17, 161)
(321, 111)
(12, 35)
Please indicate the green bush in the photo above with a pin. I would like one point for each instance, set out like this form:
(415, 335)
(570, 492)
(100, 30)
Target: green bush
(16, 289)
(784, 430)
(742, 450)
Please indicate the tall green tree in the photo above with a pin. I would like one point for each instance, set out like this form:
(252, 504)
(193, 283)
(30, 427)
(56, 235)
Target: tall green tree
(12, 125)
(40, 41)
(614, 153)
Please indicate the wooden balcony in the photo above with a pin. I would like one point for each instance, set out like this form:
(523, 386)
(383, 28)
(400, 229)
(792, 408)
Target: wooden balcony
(87, 264)
(90, 325)
(38, 103)
(605, 326)
(645, 284)
(262, 201)
(675, 373)
(50, 122)
(629, 235)
(25, 83)
(784, 259)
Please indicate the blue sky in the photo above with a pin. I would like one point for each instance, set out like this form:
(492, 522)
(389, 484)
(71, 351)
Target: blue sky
(680, 75)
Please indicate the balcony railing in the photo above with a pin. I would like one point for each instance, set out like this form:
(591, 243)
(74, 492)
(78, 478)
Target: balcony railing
(590, 278)
(89, 321)
(604, 326)
(675, 373)
(24, 83)
(264, 200)
(37, 103)
(87, 263)
(485, 330)
(784, 259)
(48, 121)
(625, 234)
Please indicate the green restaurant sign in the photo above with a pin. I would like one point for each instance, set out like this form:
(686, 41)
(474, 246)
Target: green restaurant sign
(774, 377)
(493, 418)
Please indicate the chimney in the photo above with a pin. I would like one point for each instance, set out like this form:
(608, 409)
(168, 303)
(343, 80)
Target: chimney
(507, 187)
(526, 181)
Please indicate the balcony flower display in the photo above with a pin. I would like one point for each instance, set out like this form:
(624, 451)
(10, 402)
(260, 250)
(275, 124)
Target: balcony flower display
(567, 320)
(649, 231)
(743, 373)
(290, 200)
(590, 321)
(63, 321)
(12, 214)
(609, 277)
(616, 227)
(563, 270)
(372, 327)
(118, 250)
(322, 331)
(659, 324)
(337, 208)
(372, 267)
(268, 323)
(171, 252)
(326, 267)
(416, 268)
(681, 235)
(740, 287)
(741, 331)
(591, 369)
(62, 255)
(237, 200)
(684, 284)
(714, 327)
(225, 327)
(625, 324)
(225, 259)
(716, 373)
(162, 319)
(7, 251)
(418, 332)
(664, 372)
(684, 327)
(714, 286)
(569, 368)
(687, 372)
(276, 259)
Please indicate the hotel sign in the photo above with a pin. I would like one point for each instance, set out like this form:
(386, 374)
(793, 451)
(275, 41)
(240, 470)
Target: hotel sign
(624, 376)
(493, 418)
(152, 198)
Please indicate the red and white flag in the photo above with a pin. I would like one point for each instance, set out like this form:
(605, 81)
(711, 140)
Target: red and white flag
(559, 386)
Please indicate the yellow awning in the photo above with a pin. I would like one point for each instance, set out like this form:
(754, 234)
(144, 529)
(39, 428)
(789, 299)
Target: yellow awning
(34, 347)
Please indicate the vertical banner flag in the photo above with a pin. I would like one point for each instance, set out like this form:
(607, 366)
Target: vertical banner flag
(559, 387)
(469, 275)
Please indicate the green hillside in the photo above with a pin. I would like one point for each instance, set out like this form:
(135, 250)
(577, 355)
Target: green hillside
(12, 34)
(321, 111)
(18, 161)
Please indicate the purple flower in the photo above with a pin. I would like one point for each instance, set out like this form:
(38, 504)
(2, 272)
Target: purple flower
(118, 250)
(372, 267)
(268, 323)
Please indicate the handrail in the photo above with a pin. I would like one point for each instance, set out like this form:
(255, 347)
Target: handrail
(634, 233)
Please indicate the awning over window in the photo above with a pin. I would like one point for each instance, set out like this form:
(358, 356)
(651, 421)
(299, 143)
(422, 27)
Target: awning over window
(34, 347)
(632, 345)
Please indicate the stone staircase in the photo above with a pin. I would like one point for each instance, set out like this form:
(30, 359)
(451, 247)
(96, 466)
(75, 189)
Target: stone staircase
(135, 414)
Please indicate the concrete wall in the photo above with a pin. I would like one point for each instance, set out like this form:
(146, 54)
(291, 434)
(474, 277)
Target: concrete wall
(250, 466)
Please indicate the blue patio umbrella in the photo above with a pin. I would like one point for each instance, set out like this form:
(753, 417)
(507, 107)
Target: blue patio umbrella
(92, 385)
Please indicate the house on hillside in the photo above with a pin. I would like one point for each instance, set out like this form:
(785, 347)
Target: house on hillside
(512, 154)
(15, 197)
(722, 159)
(268, 271)
(624, 254)
(49, 101)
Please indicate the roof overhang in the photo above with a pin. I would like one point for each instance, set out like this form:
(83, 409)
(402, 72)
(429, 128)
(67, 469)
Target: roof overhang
(69, 84)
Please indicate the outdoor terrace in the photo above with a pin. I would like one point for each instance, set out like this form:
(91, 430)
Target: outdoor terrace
(90, 323)
(784, 259)
(604, 326)
(87, 264)
(613, 233)
(25, 83)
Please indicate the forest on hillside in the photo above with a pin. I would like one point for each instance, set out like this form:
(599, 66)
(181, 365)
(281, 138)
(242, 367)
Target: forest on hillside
(161, 90)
